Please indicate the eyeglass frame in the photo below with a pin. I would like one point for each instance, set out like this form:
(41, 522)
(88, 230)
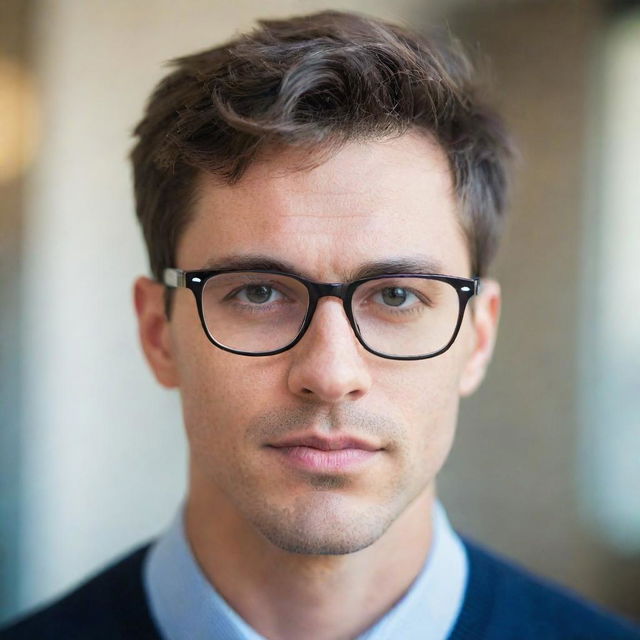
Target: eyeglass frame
(195, 281)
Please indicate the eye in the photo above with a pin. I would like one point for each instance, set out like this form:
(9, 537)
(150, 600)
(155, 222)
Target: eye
(394, 296)
(258, 294)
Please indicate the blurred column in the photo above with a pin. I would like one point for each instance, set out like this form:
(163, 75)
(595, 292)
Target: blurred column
(610, 313)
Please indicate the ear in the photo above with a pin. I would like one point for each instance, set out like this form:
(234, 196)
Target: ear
(153, 329)
(484, 315)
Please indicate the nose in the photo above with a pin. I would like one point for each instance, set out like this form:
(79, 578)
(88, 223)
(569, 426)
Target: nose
(328, 364)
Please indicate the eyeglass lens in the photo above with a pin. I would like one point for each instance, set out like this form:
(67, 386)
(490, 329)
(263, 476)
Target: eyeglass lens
(258, 312)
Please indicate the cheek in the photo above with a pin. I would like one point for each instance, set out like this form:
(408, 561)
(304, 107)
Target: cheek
(203, 384)
(429, 407)
(220, 393)
(428, 388)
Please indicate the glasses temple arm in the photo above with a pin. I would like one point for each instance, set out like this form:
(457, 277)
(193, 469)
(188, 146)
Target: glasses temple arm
(174, 278)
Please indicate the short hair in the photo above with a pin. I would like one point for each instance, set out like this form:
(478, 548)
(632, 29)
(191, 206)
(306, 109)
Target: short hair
(316, 81)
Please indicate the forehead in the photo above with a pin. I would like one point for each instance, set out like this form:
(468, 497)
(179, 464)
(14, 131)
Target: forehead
(369, 202)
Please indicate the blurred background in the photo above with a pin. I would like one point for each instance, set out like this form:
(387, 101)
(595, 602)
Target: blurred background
(546, 467)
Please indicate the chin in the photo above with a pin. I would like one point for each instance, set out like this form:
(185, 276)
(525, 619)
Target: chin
(317, 543)
(323, 527)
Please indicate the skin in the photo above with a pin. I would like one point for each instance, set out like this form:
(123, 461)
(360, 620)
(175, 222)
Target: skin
(318, 555)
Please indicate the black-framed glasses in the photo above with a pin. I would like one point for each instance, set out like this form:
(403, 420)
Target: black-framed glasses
(404, 316)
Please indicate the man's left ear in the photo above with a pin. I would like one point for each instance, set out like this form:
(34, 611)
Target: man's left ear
(484, 321)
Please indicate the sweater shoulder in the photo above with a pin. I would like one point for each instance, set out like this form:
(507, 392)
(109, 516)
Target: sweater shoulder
(505, 601)
(110, 605)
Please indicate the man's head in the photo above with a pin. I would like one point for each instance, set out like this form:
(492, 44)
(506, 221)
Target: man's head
(328, 144)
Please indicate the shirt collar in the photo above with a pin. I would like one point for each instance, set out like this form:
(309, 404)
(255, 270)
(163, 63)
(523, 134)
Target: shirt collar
(184, 604)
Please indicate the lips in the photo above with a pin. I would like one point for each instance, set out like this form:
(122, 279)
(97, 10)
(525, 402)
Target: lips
(312, 452)
(326, 444)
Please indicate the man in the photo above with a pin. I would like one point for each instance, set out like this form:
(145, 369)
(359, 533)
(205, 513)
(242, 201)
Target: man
(330, 191)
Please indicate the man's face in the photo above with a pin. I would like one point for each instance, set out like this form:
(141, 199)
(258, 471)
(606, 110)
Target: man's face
(371, 202)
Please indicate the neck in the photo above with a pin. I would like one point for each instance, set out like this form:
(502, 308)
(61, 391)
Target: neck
(286, 596)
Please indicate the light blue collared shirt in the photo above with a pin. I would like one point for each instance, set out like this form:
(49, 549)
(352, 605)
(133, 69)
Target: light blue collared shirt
(185, 606)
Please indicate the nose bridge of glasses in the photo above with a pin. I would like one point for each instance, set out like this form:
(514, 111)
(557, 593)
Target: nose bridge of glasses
(327, 289)
(319, 290)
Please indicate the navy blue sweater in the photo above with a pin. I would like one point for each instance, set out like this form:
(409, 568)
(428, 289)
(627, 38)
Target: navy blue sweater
(502, 602)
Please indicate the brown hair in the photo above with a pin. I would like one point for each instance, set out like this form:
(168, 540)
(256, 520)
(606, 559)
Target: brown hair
(319, 81)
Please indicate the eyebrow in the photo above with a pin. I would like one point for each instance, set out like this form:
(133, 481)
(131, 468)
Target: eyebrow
(421, 265)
